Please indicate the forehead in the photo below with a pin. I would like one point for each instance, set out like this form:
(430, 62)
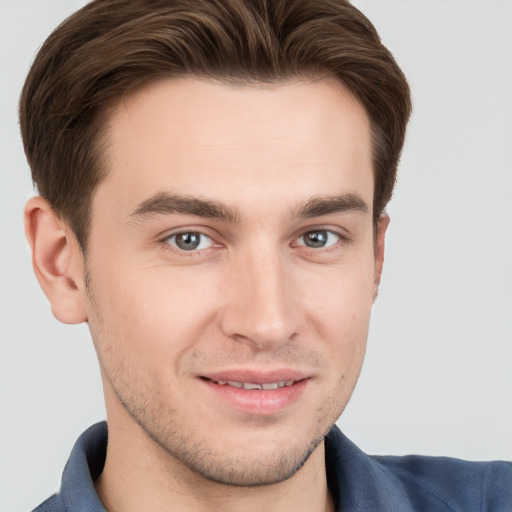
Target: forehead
(202, 137)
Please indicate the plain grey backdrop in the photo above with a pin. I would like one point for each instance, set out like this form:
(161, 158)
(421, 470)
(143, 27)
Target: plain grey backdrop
(438, 374)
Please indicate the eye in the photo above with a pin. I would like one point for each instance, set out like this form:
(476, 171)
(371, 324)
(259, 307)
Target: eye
(190, 241)
(318, 239)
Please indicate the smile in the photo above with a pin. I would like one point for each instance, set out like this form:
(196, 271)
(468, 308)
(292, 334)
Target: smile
(254, 386)
(256, 393)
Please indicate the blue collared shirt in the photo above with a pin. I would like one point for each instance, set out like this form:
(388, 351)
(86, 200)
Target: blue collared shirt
(358, 482)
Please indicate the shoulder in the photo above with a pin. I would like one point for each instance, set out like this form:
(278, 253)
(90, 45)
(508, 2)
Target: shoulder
(458, 484)
(401, 484)
(52, 504)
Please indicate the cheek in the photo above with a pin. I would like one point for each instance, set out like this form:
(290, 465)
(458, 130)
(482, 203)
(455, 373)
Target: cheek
(342, 295)
(152, 315)
(341, 314)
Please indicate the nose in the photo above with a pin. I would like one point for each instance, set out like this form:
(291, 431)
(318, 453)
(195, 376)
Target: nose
(261, 300)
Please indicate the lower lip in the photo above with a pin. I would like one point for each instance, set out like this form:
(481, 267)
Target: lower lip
(261, 402)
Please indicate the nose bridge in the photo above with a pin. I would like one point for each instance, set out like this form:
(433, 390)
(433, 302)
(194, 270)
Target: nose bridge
(261, 305)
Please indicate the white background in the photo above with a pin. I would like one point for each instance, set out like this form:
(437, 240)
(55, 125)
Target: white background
(438, 374)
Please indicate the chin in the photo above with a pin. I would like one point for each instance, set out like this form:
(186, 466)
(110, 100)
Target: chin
(251, 461)
(254, 469)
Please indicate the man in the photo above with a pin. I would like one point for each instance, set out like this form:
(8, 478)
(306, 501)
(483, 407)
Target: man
(213, 178)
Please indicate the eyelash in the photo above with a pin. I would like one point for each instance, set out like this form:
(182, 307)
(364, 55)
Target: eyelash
(341, 239)
(169, 246)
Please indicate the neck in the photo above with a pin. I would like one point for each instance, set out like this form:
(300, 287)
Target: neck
(140, 475)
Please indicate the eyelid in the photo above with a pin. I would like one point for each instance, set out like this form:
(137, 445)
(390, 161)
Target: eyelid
(168, 234)
(328, 231)
(330, 245)
(338, 231)
(202, 236)
(202, 230)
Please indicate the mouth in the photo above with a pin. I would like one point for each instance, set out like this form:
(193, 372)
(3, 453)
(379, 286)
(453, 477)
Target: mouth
(253, 385)
(257, 393)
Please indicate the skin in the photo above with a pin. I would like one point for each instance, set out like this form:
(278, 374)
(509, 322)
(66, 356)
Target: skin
(252, 296)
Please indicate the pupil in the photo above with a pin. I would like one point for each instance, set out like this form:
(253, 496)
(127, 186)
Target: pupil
(316, 238)
(187, 241)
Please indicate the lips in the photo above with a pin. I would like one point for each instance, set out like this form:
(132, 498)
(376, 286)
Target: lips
(255, 386)
(256, 379)
(257, 392)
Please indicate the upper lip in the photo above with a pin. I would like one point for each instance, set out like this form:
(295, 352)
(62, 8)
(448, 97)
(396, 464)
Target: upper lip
(257, 376)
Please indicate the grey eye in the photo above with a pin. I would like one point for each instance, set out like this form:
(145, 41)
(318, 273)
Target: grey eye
(318, 239)
(190, 241)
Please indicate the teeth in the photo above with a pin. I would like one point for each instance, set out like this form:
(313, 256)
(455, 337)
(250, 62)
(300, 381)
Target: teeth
(252, 385)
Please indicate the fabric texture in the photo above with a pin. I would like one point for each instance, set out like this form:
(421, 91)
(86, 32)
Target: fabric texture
(358, 482)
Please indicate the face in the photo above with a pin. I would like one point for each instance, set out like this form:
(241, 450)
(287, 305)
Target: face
(232, 269)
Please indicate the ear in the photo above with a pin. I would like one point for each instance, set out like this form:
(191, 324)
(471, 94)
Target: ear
(380, 239)
(57, 261)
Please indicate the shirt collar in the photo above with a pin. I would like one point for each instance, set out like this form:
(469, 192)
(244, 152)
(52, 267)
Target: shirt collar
(85, 464)
(360, 482)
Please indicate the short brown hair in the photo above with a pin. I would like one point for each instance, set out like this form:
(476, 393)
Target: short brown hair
(110, 47)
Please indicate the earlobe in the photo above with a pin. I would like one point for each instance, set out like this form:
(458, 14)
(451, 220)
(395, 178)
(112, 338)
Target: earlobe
(57, 261)
(380, 240)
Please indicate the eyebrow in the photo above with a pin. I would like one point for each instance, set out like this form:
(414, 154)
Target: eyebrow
(322, 205)
(166, 204)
